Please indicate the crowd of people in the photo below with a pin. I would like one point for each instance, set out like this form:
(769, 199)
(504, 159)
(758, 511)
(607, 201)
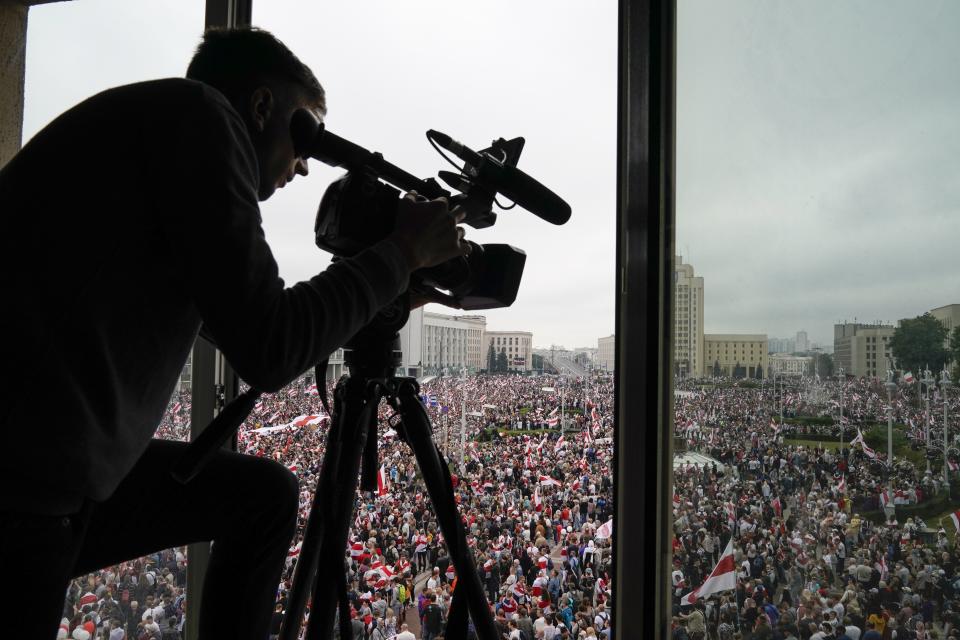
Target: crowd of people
(822, 546)
(534, 491)
(824, 543)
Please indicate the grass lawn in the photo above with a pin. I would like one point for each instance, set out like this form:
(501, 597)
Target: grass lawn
(833, 446)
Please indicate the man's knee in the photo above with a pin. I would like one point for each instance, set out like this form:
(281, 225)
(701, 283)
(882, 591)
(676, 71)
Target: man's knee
(279, 491)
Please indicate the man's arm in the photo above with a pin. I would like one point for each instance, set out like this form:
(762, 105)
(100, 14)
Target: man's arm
(269, 333)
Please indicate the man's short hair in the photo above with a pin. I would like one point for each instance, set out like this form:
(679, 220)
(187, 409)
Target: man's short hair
(237, 61)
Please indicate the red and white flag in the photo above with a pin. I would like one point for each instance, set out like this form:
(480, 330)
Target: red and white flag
(777, 506)
(547, 481)
(292, 391)
(383, 485)
(552, 422)
(312, 390)
(176, 408)
(886, 500)
(537, 502)
(842, 485)
(605, 530)
(560, 442)
(955, 517)
(722, 578)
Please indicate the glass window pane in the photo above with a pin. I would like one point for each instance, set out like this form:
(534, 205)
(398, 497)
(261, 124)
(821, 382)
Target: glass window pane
(75, 50)
(500, 69)
(815, 148)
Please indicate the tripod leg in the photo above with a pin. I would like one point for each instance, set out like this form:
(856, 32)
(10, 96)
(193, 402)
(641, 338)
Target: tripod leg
(436, 476)
(342, 447)
(359, 411)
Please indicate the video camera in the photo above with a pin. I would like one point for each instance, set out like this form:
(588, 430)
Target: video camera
(360, 208)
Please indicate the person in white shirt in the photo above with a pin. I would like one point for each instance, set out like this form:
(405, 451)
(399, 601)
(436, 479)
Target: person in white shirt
(405, 633)
(434, 580)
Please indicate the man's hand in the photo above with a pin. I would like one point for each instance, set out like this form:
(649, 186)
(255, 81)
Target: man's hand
(427, 232)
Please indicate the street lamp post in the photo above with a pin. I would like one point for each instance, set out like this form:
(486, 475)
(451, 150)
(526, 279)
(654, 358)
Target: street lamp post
(463, 417)
(927, 381)
(891, 388)
(842, 385)
(945, 384)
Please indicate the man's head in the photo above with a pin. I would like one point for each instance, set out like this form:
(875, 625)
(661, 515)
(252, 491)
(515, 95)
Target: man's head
(265, 82)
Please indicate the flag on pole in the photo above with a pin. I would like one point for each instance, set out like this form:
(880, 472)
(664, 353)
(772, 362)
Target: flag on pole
(560, 442)
(537, 502)
(955, 517)
(777, 506)
(383, 485)
(722, 578)
(842, 485)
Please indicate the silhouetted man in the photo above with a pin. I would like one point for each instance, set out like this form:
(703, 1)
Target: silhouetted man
(128, 221)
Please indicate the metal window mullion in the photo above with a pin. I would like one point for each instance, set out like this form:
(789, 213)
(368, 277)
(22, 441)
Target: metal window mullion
(213, 381)
(644, 353)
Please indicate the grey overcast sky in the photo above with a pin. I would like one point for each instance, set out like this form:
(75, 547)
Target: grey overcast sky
(818, 142)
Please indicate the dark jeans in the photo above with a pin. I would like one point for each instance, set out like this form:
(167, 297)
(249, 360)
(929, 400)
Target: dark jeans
(247, 506)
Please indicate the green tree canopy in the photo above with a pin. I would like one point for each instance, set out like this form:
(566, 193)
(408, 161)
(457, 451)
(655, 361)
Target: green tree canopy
(918, 343)
(502, 365)
(955, 353)
(491, 359)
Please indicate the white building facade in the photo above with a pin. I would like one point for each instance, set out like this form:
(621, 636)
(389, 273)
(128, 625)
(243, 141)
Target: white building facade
(688, 322)
(518, 345)
(450, 343)
(789, 365)
(605, 352)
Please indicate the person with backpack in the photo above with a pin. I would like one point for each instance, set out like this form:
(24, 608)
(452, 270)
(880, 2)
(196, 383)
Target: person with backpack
(432, 621)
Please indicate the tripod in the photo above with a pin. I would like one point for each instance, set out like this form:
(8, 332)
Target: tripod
(372, 356)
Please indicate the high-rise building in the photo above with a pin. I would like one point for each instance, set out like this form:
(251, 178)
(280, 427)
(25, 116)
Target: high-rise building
(949, 317)
(688, 322)
(605, 353)
(802, 344)
(862, 349)
(450, 343)
(517, 345)
(735, 354)
(411, 343)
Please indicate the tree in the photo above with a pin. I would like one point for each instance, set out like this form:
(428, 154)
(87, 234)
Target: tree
(917, 344)
(537, 363)
(491, 359)
(502, 365)
(821, 365)
(955, 353)
(759, 371)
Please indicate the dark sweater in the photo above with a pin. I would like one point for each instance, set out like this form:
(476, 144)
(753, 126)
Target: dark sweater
(128, 221)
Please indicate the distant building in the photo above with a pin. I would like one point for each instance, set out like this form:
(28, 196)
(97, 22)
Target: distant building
(949, 316)
(688, 320)
(802, 343)
(731, 354)
(862, 349)
(518, 345)
(453, 342)
(411, 342)
(786, 364)
(605, 352)
(781, 345)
